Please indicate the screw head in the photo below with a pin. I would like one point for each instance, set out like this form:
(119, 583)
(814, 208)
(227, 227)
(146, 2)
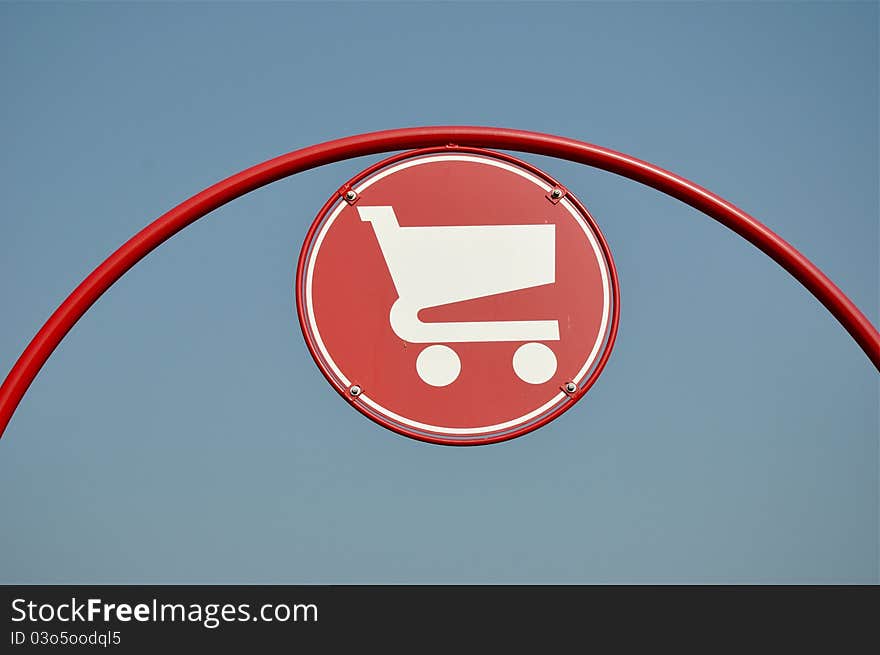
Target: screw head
(570, 387)
(556, 193)
(354, 391)
(350, 195)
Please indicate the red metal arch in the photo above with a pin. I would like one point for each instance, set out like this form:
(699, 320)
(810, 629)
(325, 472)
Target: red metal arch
(78, 302)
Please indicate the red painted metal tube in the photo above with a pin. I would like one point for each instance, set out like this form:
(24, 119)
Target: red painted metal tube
(78, 302)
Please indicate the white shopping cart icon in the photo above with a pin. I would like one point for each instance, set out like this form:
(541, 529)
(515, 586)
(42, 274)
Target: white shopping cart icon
(439, 265)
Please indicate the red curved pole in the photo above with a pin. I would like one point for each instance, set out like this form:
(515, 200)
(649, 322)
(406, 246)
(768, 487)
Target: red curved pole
(167, 225)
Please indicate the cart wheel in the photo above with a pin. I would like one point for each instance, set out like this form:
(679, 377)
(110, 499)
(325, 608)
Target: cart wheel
(534, 363)
(438, 365)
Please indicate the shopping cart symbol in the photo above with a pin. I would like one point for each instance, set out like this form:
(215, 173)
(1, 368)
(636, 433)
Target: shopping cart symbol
(438, 265)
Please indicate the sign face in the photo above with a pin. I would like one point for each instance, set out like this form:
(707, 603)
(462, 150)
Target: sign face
(457, 296)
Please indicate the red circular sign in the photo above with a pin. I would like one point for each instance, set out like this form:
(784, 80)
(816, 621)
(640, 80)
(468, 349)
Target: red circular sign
(457, 295)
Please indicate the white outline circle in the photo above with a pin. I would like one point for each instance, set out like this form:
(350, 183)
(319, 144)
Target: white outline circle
(464, 432)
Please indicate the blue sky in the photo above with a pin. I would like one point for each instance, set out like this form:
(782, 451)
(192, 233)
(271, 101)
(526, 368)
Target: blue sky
(181, 433)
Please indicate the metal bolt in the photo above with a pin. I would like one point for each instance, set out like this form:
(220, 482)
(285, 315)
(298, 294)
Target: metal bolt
(556, 194)
(355, 391)
(350, 195)
(570, 387)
